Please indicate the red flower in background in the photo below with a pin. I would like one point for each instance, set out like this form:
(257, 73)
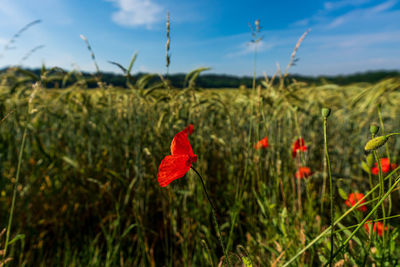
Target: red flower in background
(353, 199)
(299, 144)
(386, 166)
(189, 129)
(303, 172)
(263, 143)
(378, 227)
(177, 164)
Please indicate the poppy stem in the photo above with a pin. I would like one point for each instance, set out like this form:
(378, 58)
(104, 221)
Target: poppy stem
(381, 192)
(330, 189)
(214, 213)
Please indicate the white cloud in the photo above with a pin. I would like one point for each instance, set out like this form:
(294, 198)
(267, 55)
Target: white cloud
(383, 7)
(344, 3)
(352, 11)
(136, 13)
(248, 48)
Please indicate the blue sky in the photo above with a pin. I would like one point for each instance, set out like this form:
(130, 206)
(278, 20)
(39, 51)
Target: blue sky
(346, 35)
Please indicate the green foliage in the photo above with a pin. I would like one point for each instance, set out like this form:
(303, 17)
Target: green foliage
(89, 196)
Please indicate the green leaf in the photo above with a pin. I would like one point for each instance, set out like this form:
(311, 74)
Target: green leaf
(246, 262)
(365, 167)
(128, 230)
(119, 66)
(71, 162)
(128, 71)
(16, 238)
(342, 194)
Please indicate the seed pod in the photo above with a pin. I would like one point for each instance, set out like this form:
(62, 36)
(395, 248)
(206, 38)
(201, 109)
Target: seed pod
(375, 143)
(370, 160)
(374, 129)
(326, 112)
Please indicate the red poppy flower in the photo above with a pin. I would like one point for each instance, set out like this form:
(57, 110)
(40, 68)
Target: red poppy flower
(386, 166)
(353, 199)
(263, 143)
(303, 172)
(189, 129)
(299, 144)
(378, 227)
(177, 164)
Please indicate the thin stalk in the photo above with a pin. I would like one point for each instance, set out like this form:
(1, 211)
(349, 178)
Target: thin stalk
(381, 192)
(255, 67)
(15, 191)
(214, 213)
(330, 189)
(372, 221)
(321, 235)
(367, 217)
(371, 235)
(383, 131)
(388, 156)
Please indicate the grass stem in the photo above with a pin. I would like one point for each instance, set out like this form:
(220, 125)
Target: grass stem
(214, 213)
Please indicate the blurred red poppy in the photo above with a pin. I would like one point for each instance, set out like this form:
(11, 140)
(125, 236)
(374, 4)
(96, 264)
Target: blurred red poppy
(303, 172)
(263, 143)
(353, 199)
(189, 129)
(177, 164)
(299, 144)
(378, 227)
(386, 166)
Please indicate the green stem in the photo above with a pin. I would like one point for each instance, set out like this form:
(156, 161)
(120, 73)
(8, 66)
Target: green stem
(15, 191)
(321, 235)
(383, 132)
(381, 192)
(391, 134)
(366, 218)
(372, 221)
(330, 190)
(214, 213)
(388, 156)
(255, 67)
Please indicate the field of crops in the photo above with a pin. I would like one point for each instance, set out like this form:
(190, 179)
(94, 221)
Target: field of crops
(84, 165)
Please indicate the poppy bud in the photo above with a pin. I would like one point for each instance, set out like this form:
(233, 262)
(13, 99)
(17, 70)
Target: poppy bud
(370, 160)
(375, 143)
(374, 129)
(326, 112)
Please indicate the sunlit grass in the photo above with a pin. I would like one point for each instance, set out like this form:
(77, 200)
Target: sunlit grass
(88, 192)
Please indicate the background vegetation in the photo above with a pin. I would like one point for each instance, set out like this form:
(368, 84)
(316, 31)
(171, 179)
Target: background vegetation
(89, 196)
(220, 81)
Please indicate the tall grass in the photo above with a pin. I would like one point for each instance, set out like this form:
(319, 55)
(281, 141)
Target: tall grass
(88, 193)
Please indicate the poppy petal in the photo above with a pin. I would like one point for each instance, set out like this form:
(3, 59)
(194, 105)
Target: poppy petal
(172, 168)
(180, 144)
(189, 129)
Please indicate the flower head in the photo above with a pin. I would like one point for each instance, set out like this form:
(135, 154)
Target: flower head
(189, 129)
(263, 143)
(177, 164)
(386, 166)
(378, 227)
(353, 199)
(299, 144)
(303, 172)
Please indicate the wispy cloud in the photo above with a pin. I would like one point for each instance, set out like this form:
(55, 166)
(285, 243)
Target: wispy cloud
(344, 3)
(348, 13)
(383, 7)
(248, 48)
(357, 15)
(135, 13)
(356, 41)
